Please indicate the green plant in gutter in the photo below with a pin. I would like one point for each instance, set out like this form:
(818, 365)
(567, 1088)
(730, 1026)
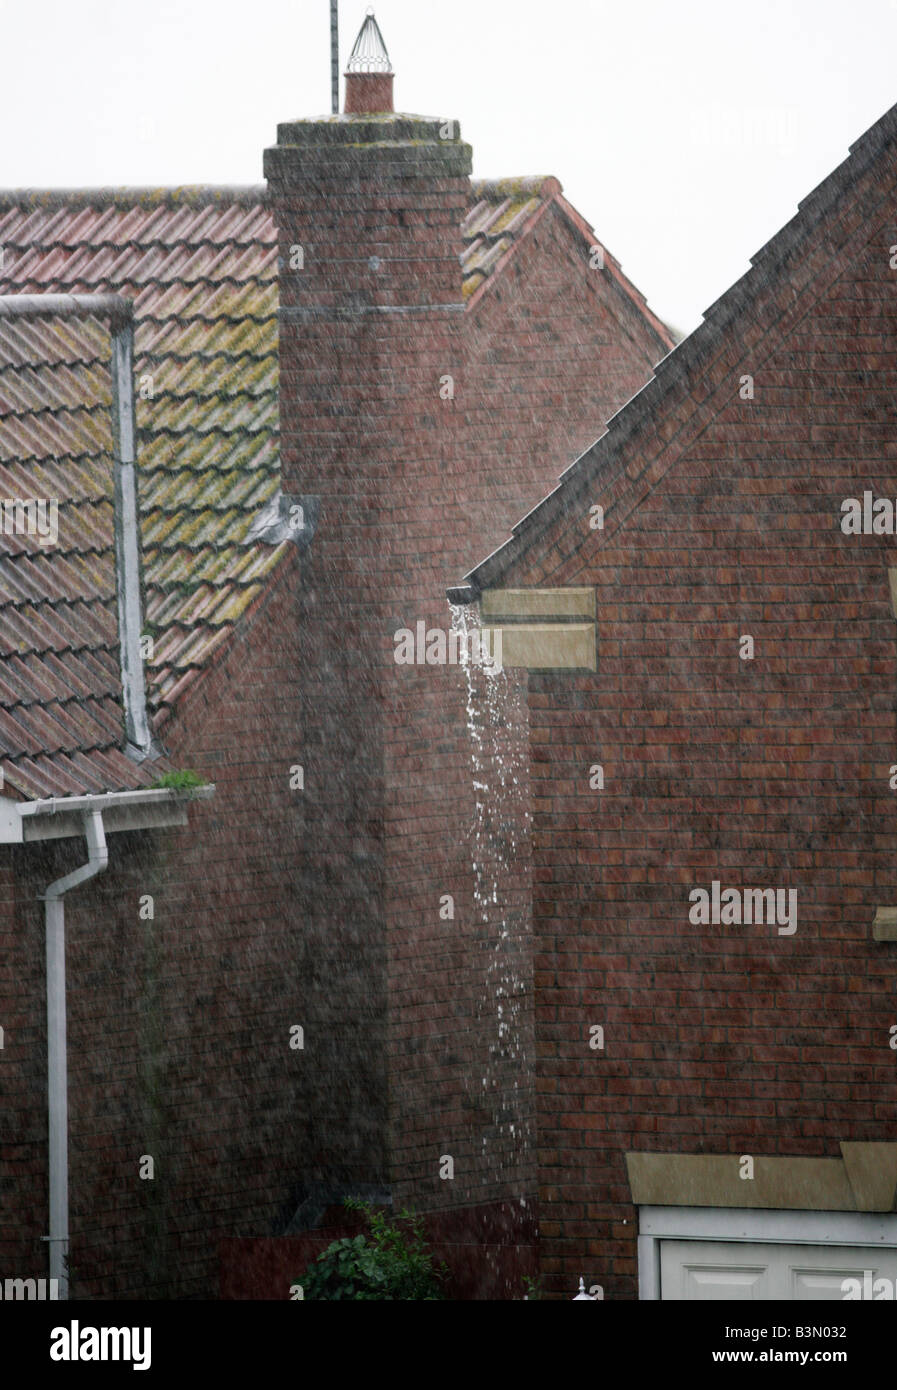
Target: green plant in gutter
(178, 781)
(394, 1263)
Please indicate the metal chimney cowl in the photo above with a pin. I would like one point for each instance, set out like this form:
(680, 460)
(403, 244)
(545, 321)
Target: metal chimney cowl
(369, 74)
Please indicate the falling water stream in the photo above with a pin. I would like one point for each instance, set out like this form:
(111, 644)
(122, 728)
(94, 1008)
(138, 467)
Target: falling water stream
(497, 728)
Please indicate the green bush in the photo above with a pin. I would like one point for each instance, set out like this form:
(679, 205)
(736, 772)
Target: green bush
(392, 1264)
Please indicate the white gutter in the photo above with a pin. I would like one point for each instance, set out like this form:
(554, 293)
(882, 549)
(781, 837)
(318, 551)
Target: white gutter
(60, 817)
(105, 801)
(57, 1057)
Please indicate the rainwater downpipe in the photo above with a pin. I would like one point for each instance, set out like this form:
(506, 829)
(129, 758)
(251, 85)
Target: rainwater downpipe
(57, 1056)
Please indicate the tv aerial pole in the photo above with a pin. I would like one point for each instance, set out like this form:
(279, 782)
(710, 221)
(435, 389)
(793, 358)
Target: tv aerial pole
(334, 56)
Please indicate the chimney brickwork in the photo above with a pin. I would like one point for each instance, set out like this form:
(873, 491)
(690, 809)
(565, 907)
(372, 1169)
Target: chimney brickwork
(369, 216)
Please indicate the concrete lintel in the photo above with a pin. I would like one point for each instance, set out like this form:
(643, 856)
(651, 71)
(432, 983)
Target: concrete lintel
(865, 1179)
(549, 646)
(884, 924)
(538, 603)
(872, 1173)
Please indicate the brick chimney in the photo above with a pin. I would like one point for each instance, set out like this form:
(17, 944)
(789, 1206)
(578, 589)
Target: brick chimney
(368, 207)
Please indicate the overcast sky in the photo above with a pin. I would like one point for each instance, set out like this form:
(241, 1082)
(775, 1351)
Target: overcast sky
(685, 131)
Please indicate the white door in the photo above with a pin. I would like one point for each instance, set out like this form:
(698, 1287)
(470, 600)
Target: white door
(734, 1270)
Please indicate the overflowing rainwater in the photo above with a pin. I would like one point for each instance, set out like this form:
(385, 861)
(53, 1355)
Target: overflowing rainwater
(497, 726)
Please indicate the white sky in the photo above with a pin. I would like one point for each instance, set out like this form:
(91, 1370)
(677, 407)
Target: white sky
(686, 131)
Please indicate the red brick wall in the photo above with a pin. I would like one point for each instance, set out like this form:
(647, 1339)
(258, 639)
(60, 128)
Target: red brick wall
(554, 349)
(723, 520)
(179, 1027)
(23, 1131)
(545, 363)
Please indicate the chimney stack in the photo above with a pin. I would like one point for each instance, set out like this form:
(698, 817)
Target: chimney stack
(368, 207)
(369, 210)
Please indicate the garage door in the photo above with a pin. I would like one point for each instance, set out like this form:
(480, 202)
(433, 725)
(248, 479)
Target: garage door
(736, 1270)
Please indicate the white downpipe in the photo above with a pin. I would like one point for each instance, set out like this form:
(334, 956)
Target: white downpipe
(57, 1058)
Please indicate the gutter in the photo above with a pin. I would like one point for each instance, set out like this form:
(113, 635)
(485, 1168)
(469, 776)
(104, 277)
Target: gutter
(61, 817)
(101, 801)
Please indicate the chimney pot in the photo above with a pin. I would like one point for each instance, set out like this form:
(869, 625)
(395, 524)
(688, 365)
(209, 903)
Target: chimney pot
(369, 75)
